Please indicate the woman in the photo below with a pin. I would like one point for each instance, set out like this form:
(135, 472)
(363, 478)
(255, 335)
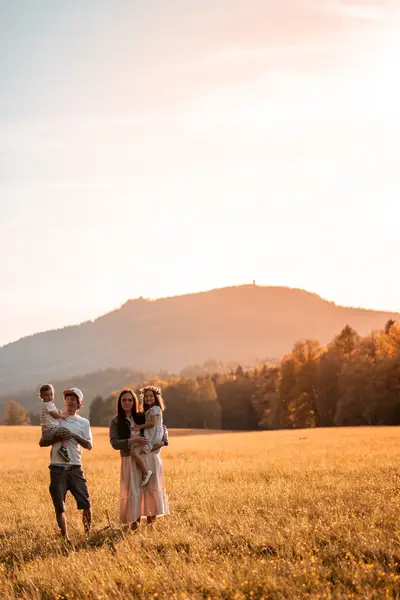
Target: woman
(136, 501)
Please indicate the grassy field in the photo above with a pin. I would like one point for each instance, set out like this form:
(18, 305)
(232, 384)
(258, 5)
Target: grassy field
(300, 514)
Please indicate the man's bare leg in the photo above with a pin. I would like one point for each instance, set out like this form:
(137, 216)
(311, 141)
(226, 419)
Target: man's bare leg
(87, 519)
(62, 523)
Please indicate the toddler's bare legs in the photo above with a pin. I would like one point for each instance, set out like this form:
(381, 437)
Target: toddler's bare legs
(65, 443)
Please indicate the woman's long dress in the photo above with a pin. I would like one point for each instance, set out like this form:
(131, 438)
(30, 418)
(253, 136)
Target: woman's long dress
(149, 501)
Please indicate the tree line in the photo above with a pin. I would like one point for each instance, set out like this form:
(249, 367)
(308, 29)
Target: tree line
(353, 380)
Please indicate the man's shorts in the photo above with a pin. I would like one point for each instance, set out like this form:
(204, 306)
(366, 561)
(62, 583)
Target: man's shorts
(68, 478)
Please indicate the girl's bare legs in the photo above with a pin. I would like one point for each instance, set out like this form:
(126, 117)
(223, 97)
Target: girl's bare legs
(146, 473)
(135, 453)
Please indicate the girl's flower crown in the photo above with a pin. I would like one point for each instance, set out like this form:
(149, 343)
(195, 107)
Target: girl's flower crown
(152, 388)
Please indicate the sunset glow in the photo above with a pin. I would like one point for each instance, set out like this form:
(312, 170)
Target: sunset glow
(155, 151)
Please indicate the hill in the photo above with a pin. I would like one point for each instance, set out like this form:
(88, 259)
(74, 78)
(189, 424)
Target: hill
(242, 323)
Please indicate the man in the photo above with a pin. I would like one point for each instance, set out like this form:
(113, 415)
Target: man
(69, 476)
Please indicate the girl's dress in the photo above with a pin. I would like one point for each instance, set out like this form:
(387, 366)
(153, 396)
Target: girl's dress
(155, 434)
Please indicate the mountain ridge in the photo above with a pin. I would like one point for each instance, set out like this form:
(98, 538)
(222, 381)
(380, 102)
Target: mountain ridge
(241, 323)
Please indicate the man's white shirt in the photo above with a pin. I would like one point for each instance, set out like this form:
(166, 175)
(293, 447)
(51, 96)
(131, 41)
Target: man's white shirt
(80, 426)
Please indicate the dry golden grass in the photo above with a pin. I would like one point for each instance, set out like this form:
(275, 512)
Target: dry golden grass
(300, 514)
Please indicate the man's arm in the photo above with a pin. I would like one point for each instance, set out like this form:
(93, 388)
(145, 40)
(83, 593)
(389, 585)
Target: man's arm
(64, 433)
(85, 443)
(60, 434)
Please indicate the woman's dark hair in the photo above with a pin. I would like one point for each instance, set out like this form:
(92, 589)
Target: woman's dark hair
(124, 431)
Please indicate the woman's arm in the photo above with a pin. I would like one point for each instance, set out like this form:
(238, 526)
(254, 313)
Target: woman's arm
(123, 444)
(164, 441)
(165, 436)
(157, 447)
(116, 442)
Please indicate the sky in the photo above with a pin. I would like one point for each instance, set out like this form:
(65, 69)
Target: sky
(167, 147)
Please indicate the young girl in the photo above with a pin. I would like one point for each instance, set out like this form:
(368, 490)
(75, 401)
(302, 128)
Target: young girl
(153, 428)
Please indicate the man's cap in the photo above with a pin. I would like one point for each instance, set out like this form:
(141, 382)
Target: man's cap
(73, 391)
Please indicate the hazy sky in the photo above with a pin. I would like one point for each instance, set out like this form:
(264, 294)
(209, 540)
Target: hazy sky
(157, 148)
